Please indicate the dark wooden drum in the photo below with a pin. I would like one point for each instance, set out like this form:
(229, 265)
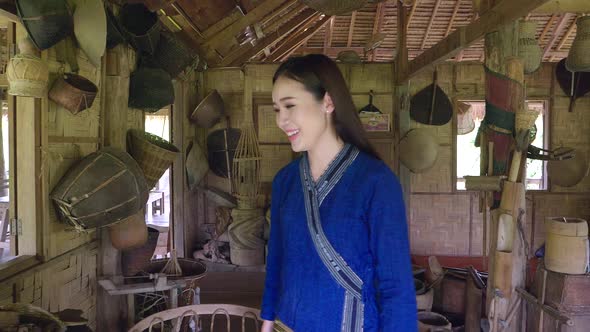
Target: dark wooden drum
(103, 188)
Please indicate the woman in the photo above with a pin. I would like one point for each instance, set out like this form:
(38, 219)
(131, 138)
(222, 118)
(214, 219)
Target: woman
(338, 255)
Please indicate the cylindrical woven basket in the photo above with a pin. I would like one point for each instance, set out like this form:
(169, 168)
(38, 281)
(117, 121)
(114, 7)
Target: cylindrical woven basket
(578, 58)
(150, 89)
(173, 55)
(153, 154)
(246, 168)
(525, 119)
(335, 7)
(47, 21)
(141, 27)
(27, 76)
(528, 47)
(115, 34)
(74, 92)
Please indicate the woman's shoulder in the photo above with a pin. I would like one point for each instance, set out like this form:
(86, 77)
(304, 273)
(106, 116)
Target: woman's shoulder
(374, 168)
(289, 170)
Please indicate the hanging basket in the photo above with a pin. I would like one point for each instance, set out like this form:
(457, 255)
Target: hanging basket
(90, 29)
(196, 165)
(136, 260)
(74, 92)
(47, 22)
(209, 110)
(173, 55)
(528, 47)
(335, 7)
(221, 148)
(115, 34)
(465, 122)
(578, 58)
(246, 168)
(349, 57)
(150, 89)
(418, 150)
(27, 76)
(525, 119)
(130, 232)
(568, 172)
(141, 27)
(103, 188)
(153, 154)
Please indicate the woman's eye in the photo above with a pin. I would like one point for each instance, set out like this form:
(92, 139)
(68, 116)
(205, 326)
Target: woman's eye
(289, 106)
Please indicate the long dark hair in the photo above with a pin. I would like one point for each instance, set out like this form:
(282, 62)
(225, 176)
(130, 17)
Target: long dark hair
(319, 74)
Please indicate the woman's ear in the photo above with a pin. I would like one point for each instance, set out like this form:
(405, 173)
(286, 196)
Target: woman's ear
(328, 104)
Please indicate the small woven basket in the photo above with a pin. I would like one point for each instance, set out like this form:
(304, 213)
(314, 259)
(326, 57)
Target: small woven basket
(74, 92)
(578, 58)
(525, 119)
(153, 154)
(27, 76)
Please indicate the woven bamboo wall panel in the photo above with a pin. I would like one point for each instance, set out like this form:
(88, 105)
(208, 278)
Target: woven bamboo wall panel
(476, 237)
(274, 157)
(268, 132)
(261, 76)
(386, 150)
(376, 77)
(539, 82)
(439, 224)
(438, 178)
(233, 103)
(384, 102)
(469, 80)
(224, 79)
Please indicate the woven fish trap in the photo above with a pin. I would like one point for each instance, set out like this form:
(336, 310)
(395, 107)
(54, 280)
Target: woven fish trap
(335, 7)
(153, 154)
(578, 58)
(246, 168)
(27, 76)
(525, 119)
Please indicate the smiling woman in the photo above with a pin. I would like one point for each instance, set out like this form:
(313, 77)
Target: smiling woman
(338, 222)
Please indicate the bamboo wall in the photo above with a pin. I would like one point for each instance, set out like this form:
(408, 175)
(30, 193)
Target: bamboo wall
(454, 226)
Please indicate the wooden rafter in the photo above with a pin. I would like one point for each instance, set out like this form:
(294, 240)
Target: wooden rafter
(328, 35)
(436, 5)
(231, 18)
(285, 18)
(246, 52)
(412, 11)
(8, 10)
(502, 13)
(567, 34)
(547, 27)
(556, 33)
(257, 14)
(452, 20)
(351, 28)
(182, 13)
(296, 41)
(377, 24)
(401, 58)
(281, 47)
(303, 37)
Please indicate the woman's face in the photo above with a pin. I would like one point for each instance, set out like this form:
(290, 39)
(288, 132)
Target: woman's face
(303, 118)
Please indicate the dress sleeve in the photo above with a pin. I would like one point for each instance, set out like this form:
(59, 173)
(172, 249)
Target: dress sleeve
(391, 256)
(273, 258)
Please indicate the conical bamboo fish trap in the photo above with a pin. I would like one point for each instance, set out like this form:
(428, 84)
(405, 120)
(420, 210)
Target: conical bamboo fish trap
(246, 168)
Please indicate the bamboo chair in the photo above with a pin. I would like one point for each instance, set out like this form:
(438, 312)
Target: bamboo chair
(196, 313)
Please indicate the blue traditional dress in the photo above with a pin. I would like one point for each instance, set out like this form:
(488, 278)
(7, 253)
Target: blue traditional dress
(338, 254)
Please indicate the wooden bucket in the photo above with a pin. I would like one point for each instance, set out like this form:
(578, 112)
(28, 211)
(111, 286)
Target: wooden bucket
(566, 245)
(103, 188)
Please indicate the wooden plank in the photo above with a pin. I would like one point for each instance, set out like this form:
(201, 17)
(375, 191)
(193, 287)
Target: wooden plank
(306, 35)
(434, 12)
(328, 35)
(178, 168)
(73, 139)
(229, 19)
(8, 10)
(246, 52)
(292, 42)
(452, 20)
(351, 28)
(252, 17)
(504, 12)
(567, 34)
(412, 11)
(556, 33)
(377, 24)
(271, 28)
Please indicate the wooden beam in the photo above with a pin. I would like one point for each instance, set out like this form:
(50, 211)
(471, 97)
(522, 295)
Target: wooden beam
(274, 14)
(291, 45)
(412, 11)
(504, 12)
(231, 18)
(351, 28)
(337, 49)
(567, 34)
(547, 27)
(246, 52)
(556, 33)
(8, 10)
(377, 24)
(436, 5)
(254, 16)
(280, 50)
(401, 59)
(184, 15)
(328, 35)
(286, 18)
(305, 36)
(455, 10)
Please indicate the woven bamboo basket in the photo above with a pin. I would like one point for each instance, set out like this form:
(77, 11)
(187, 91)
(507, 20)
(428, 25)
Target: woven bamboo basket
(141, 27)
(153, 154)
(47, 22)
(246, 168)
(173, 55)
(245, 237)
(525, 119)
(114, 32)
(130, 232)
(27, 76)
(150, 88)
(73, 92)
(335, 7)
(465, 122)
(38, 319)
(528, 47)
(578, 58)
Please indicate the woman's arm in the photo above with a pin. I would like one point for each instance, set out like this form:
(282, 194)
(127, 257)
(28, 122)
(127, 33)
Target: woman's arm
(391, 255)
(267, 326)
(273, 258)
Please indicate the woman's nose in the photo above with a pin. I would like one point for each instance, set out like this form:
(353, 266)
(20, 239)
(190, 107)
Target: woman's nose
(282, 118)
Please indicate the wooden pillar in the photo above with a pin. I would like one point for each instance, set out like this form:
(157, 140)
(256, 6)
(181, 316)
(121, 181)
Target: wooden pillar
(111, 310)
(506, 269)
